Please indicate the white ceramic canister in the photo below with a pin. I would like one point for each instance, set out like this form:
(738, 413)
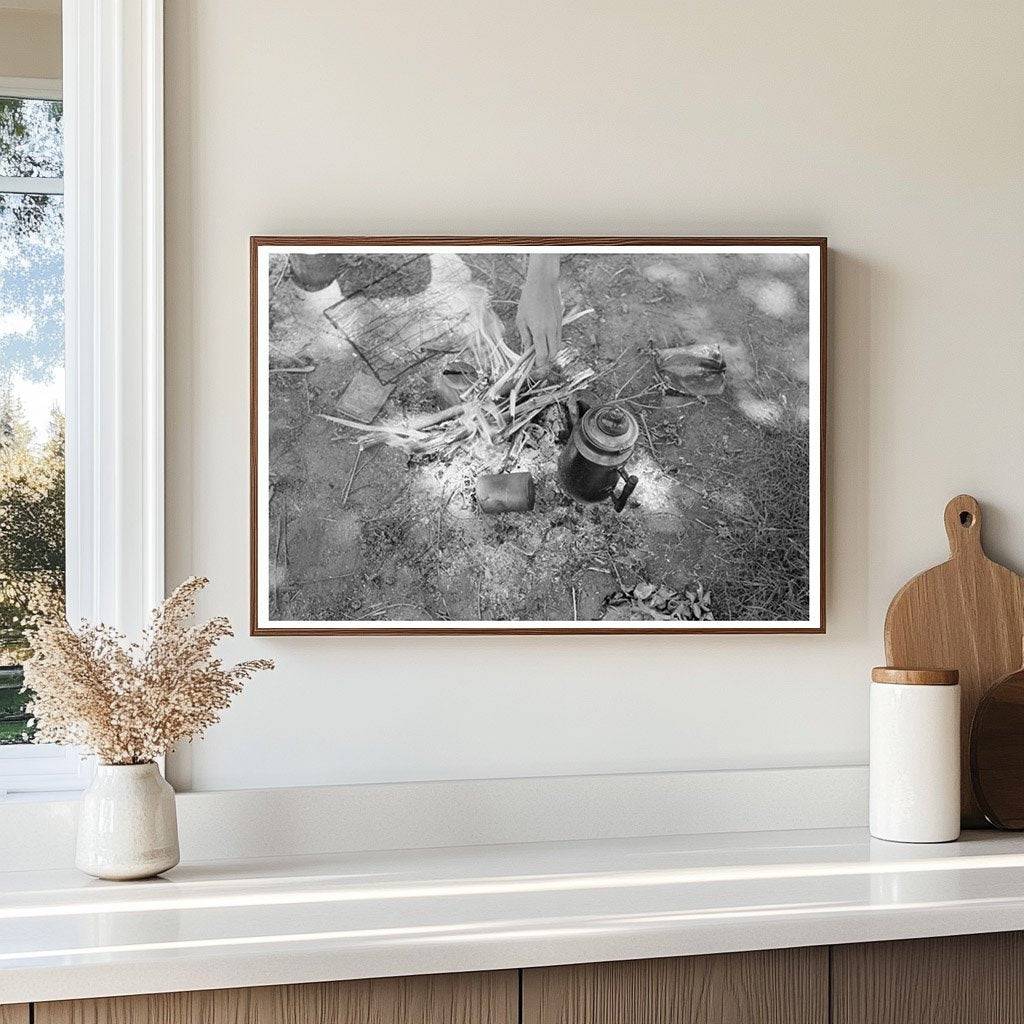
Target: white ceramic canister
(915, 755)
(127, 825)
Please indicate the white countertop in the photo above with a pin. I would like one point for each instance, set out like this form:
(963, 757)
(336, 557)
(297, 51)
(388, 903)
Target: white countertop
(262, 922)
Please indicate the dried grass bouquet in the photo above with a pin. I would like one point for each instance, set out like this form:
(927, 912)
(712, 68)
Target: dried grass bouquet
(129, 703)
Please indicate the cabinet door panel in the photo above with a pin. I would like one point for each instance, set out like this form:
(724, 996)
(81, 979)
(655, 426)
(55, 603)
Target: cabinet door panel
(482, 998)
(14, 1013)
(778, 986)
(961, 979)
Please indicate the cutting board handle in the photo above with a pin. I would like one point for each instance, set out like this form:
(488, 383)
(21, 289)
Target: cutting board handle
(963, 526)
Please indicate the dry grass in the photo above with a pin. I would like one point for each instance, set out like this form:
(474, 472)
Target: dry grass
(762, 561)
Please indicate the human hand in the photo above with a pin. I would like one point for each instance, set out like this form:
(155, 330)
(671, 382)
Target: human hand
(539, 316)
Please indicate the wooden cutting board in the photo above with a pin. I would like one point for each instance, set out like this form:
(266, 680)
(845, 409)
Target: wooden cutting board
(967, 614)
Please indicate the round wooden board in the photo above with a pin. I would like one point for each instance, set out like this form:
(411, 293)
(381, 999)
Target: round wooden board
(997, 753)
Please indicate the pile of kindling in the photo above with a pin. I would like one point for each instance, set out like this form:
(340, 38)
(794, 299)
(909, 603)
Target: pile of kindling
(494, 407)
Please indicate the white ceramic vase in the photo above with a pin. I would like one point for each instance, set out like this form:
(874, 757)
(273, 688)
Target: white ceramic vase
(127, 825)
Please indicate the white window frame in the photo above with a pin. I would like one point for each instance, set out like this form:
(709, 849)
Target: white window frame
(32, 88)
(114, 324)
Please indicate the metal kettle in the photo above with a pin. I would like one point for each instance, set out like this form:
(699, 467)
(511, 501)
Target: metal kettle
(590, 465)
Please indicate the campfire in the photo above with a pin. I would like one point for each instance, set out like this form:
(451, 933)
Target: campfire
(500, 396)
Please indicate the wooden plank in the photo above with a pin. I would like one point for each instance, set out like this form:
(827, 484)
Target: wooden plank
(962, 979)
(965, 614)
(363, 398)
(14, 1013)
(779, 986)
(480, 998)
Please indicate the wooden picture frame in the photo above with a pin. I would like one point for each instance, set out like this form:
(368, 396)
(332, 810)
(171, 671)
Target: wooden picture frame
(774, 299)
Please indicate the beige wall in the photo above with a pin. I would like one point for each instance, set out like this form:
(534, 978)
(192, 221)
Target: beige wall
(897, 129)
(29, 43)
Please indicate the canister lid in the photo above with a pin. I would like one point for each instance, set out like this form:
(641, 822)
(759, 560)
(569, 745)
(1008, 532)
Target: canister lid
(916, 676)
(608, 434)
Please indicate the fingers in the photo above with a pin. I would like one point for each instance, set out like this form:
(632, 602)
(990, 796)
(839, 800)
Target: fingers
(535, 339)
(525, 335)
(550, 347)
(550, 343)
(545, 353)
(543, 334)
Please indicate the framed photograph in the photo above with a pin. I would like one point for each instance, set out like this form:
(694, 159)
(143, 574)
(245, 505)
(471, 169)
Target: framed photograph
(537, 435)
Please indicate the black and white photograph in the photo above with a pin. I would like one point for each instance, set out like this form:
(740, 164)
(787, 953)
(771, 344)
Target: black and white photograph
(537, 435)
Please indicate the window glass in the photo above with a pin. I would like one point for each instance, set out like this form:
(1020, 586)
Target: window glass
(31, 139)
(31, 387)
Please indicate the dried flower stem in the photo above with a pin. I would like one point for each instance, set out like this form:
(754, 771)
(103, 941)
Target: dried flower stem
(129, 703)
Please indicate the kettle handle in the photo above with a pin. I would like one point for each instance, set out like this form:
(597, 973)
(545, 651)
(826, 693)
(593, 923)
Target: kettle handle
(629, 483)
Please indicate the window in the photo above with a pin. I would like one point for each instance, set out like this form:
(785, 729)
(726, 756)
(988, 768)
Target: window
(108, 206)
(32, 549)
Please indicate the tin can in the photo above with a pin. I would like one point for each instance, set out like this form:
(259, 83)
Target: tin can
(505, 492)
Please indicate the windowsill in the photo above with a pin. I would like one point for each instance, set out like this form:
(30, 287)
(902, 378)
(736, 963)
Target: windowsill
(304, 919)
(31, 773)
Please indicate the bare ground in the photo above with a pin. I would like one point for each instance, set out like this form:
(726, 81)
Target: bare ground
(723, 489)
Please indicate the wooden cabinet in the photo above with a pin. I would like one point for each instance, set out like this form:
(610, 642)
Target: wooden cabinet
(971, 979)
(491, 998)
(777, 986)
(963, 979)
